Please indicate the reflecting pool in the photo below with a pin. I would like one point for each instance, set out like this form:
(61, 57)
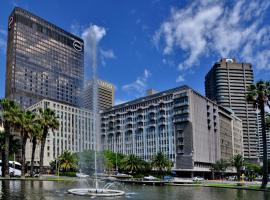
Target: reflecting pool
(54, 190)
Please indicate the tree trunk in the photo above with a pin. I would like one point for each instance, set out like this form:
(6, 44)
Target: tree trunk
(238, 174)
(265, 163)
(24, 139)
(3, 158)
(41, 156)
(33, 155)
(42, 146)
(5, 161)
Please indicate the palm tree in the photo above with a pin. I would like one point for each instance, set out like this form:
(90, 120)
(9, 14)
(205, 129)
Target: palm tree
(132, 164)
(48, 120)
(238, 163)
(14, 146)
(259, 94)
(267, 122)
(9, 112)
(35, 136)
(25, 122)
(161, 162)
(220, 166)
(67, 161)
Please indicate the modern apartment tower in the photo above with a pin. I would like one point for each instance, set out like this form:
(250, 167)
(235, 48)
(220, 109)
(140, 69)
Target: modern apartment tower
(259, 131)
(105, 93)
(43, 61)
(227, 84)
(178, 122)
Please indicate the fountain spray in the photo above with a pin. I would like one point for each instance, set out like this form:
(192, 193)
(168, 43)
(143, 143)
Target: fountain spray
(95, 104)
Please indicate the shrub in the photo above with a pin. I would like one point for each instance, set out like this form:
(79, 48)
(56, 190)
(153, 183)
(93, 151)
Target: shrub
(69, 174)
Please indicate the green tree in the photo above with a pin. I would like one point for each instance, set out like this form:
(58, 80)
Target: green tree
(9, 112)
(34, 138)
(132, 164)
(48, 120)
(14, 147)
(252, 170)
(238, 163)
(161, 163)
(86, 161)
(258, 94)
(67, 161)
(220, 166)
(113, 160)
(25, 122)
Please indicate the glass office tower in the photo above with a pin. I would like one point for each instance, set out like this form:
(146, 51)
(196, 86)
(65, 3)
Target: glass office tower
(43, 61)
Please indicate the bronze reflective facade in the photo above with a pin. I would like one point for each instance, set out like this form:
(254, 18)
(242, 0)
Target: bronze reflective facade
(43, 61)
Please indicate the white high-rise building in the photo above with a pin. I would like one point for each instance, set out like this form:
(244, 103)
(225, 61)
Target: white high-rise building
(179, 122)
(75, 132)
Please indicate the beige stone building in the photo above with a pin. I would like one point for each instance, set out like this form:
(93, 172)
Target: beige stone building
(105, 93)
(231, 133)
(75, 132)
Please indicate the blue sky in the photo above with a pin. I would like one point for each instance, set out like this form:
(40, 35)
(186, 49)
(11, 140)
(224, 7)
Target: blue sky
(157, 44)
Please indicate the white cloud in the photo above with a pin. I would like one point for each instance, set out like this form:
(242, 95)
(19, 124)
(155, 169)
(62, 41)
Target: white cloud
(3, 42)
(180, 78)
(76, 28)
(107, 53)
(3, 32)
(206, 27)
(119, 101)
(138, 87)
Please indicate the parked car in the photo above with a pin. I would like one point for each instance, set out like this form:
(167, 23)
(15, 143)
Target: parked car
(82, 175)
(198, 178)
(150, 178)
(168, 178)
(232, 178)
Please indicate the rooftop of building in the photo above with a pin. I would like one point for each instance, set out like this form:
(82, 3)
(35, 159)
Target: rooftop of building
(231, 60)
(228, 111)
(19, 9)
(156, 95)
(56, 102)
(101, 83)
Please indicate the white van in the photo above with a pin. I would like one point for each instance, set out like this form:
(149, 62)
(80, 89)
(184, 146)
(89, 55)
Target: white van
(15, 168)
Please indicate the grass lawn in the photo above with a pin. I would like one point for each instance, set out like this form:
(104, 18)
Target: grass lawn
(222, 185)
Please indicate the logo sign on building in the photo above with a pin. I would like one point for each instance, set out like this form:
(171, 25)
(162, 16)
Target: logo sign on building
(77, 45)
(10, 22)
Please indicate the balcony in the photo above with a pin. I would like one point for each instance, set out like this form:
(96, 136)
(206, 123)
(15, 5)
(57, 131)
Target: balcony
(129, 127)
(181, 111)
(180, 95)
(180, 104)
(179, 120)
(140, 115)
(140, 124)
(118, 127)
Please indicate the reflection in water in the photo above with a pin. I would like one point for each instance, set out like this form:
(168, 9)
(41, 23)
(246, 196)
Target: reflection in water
(54, 190)
(266, 196)
(239, 195)
(5, 190)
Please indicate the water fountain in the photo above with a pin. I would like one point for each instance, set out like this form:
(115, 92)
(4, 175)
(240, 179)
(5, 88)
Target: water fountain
(96, 191)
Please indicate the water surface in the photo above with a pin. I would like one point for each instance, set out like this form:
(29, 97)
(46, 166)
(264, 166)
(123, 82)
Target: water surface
(53, 190)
